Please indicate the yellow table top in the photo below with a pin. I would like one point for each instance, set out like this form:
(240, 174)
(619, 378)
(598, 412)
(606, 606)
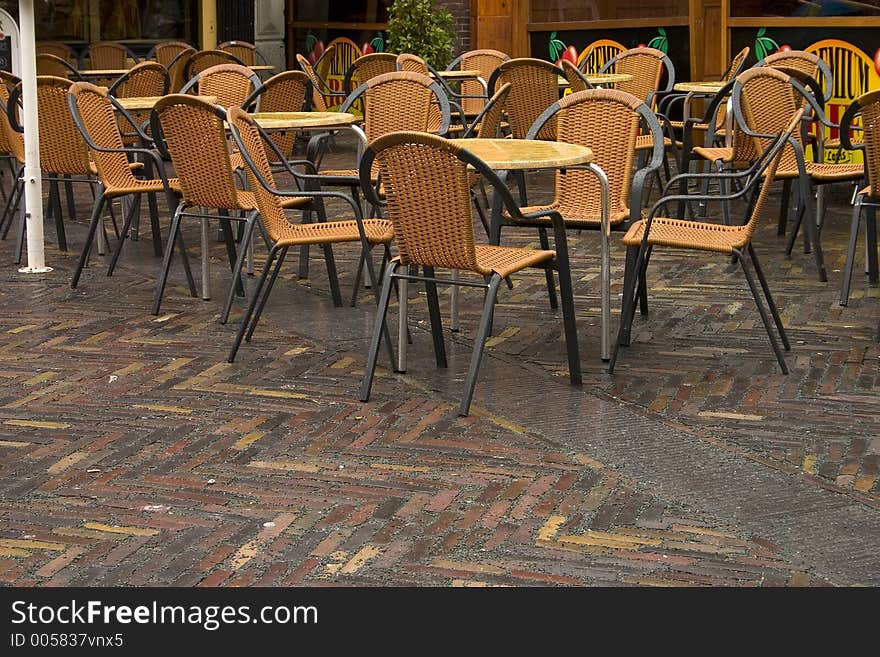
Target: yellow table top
(527, 153)
(459, 75)
(708, 87)
(600, 78)
(261, 67)
(304, 120)
(102, 72)
(148, 102)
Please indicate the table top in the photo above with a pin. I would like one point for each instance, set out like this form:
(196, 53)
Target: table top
(600, 78)
(527, 153)
(148, 102)
(261, 67)
(102, 72)
(304, 120)
(706, 87)
(456, 74)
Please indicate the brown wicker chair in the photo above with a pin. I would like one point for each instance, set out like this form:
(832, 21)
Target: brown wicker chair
(474, 92)
(765, 98)
(145, 79)
(177, 69)
(366, 67)
(12, 145)
(94, 113)
(868, 108)
(231, 84)
(204, 59)
(284, 92)
(576, 79)
(109, 55)
(48, 64)
(283, 234)
(321, 92)
(244, 51)
(657, 230)
(59, 49)
(164, 52)
(415, 64)
(426, 181)
(535, 88)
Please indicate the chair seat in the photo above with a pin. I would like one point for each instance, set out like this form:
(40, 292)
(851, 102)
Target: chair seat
(507, 260)
(689, 235)
(576, 216)
(835, 143)
(716, 154)
(379, 231)
(247, 201)
(143, 186)
(821, 172)
(645, 142)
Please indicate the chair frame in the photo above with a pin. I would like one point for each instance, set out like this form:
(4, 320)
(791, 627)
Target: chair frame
(560, 262)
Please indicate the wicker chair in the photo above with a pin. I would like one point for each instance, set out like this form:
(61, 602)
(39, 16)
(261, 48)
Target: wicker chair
(426, 181)
(415, 64)
(366, 67)
(576, 78)
(94, 113)
(177, 68)
(204, 59)
(287, 91)
(594, 55)
(764, 97)
(12, 145)
(474, 92)
(144, 79)
(109, 55)
(657, 230)
(321, 92)
(231, 84)
(535, 87)
(59, 49)
(164, 52)
(283, 234)
(868, 108)
(48, 64)
(246, 52)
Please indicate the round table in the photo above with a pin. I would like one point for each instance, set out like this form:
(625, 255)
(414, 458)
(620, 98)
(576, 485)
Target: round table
(512, 154)
(599, 79)
(304, 120)
(140, 103)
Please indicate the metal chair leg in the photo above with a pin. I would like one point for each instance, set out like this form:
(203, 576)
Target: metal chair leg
(166, 261)
(243, 245)
(548, 273)
(846, 278)
(764, 318)
(479, 344)
(379, 327)
(436, 321)
(90, 236)
(245, 320)
(129, 217)
(266, 292)
(769, 297)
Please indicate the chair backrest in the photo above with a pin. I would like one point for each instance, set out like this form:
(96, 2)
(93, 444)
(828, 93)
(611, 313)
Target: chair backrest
(251, 143)
(576, 80)
(59, 49)
(485, 61)
(58, 67)
(203, 59)
(95, 117)
(319, 102)
(805, 62)
(413, 63)
(11, 141)
(868, 108)
(322, 64)
(608, 121)
(244, 51)
(62, 149)
(398, 101)
(596, 54)
(177, 68)
(426, 184)
(764, 101)
(165, 51)
(283, 92)
(108, 55)
(232, 84)
(647, 66)
(366, 67)
(737, 64)
(143, 79)
(194, 134)
(488, 121)
(535, 87)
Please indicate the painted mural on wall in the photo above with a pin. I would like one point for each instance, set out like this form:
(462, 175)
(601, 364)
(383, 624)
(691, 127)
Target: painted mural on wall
(333, 60)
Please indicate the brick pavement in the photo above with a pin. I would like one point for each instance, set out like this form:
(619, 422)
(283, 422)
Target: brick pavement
(133, 454)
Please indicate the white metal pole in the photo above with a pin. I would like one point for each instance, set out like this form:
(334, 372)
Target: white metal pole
(36, 257)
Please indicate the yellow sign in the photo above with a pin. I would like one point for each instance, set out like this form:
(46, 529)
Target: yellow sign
(345, 51)
(598, 53)
(853, 74)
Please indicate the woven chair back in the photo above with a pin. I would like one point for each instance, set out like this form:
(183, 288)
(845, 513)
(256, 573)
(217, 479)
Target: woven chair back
(205, 59)
(428, 194)
(11, 141)
(535, 86)
(644, 64)
(367, 67)
(491, 123)
(48, 64)
(607, 121)
(268, 204)
(319, 103)
(177, 69)
(284, 92)
(767, 105)
(485, 61)
(412, 63)
(144, 79)
(246, 52)
(98, 119)
(62, 149)
(166, 51)
(107, 55)
(397, 101)
(231, 84)
(195, 137)
(57, 48)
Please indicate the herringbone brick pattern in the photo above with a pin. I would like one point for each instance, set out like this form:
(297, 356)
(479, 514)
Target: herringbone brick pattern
(132, 453)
